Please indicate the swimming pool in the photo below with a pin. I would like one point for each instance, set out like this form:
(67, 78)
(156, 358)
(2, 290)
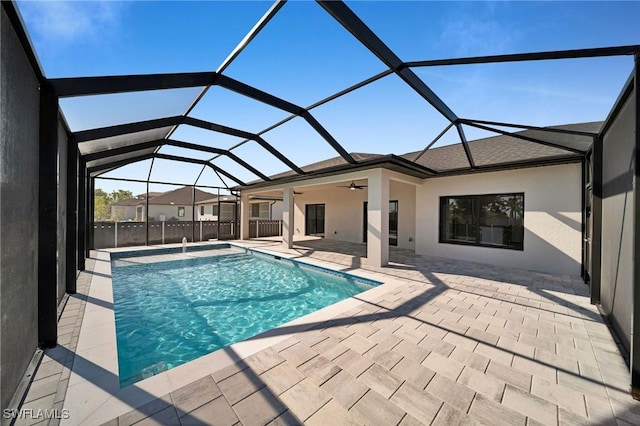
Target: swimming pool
(171, 308)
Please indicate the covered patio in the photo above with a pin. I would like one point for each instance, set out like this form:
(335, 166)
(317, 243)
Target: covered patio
(442, 342)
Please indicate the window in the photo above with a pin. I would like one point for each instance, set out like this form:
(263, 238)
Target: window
(483, 220)
(180, 211)
(255, 210)
(215, 210)
(201, 210)
(260, 210)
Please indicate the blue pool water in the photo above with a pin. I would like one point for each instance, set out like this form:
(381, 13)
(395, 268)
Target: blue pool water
(171, 312)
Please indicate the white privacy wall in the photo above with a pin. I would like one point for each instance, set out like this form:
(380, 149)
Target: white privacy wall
(552, 218)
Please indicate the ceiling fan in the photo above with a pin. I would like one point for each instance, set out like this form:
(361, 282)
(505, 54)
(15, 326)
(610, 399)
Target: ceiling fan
(353, 186)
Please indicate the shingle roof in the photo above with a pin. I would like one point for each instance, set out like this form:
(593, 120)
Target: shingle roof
(138, 199)
(331, 162)
(180, 196)
(503, 149)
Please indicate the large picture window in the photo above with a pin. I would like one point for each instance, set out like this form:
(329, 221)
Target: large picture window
(483, 220)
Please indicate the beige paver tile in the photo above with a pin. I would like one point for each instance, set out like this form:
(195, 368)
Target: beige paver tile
(305, 398)
(166, 417)
(453, 327)
(495, 354)
(449, 391)
(358, 343)
(195, 394)
(583, 385)
(536, 368)
(339, 332)
(515, 347)
(43, 387)
(442, 365)
(489, 412)
(319, 369)
(482, 336)
(461, 341)
(216, 412)
(419, 404)
(353, 362)
(504, 332)
(487, 385)
(560, 362)
(547, 345)
(599, 408)
(228, 371)
(383, 356)
(411, 351)
(345, 389)
(330, 348)
(414, 372)
(145, 411)
(380, 380)
(298, 354)
(510, 375)
(258, 408)
(364, 329)
(374, 406)
(240, 385)
(281, 377)
(332, 414)
(279, 347)
(470, 359)
(385, 339)
(264, 360)
(437, 345)
(311, 337)
(408, 333)
(567, 418)
(563, 397)
(432, 330)
(530, 405)
(448, 416)
(285, 419)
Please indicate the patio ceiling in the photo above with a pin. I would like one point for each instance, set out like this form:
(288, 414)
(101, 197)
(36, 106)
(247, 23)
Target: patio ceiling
(221, 146)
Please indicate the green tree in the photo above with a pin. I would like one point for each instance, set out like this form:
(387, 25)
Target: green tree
(103, 201)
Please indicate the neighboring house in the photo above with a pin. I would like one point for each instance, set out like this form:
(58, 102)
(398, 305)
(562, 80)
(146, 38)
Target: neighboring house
(521, 205)
(129, 208)
(176, 205)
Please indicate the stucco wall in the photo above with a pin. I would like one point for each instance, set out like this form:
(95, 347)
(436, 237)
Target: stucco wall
(344, 212)
(552, 218)
(19, 109)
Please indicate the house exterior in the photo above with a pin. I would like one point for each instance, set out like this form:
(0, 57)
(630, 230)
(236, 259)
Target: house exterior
(128, 210)
(176, 205)
(528, 214)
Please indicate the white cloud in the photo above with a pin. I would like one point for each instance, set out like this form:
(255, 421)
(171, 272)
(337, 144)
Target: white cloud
(70, 21)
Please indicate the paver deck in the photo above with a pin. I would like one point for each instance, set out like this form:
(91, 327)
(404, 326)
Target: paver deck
(452, 343)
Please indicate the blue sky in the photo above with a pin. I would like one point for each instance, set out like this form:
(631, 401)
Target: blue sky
(304, 55)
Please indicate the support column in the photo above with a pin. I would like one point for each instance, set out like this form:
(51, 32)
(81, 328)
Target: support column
(244, 216)
(91, 219)
(72, 216)
(47, 219)
(82, 214)
(596, 220)
(378, 219)
(287, 218)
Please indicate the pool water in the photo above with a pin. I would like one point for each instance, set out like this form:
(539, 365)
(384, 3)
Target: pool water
(171, 312)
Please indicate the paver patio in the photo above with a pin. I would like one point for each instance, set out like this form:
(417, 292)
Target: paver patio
(455, 343)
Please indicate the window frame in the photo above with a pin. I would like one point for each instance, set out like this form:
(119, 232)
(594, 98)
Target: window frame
(184, 211)
(475, 198)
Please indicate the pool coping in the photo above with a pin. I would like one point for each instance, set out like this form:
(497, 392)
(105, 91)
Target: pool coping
(94, 394)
